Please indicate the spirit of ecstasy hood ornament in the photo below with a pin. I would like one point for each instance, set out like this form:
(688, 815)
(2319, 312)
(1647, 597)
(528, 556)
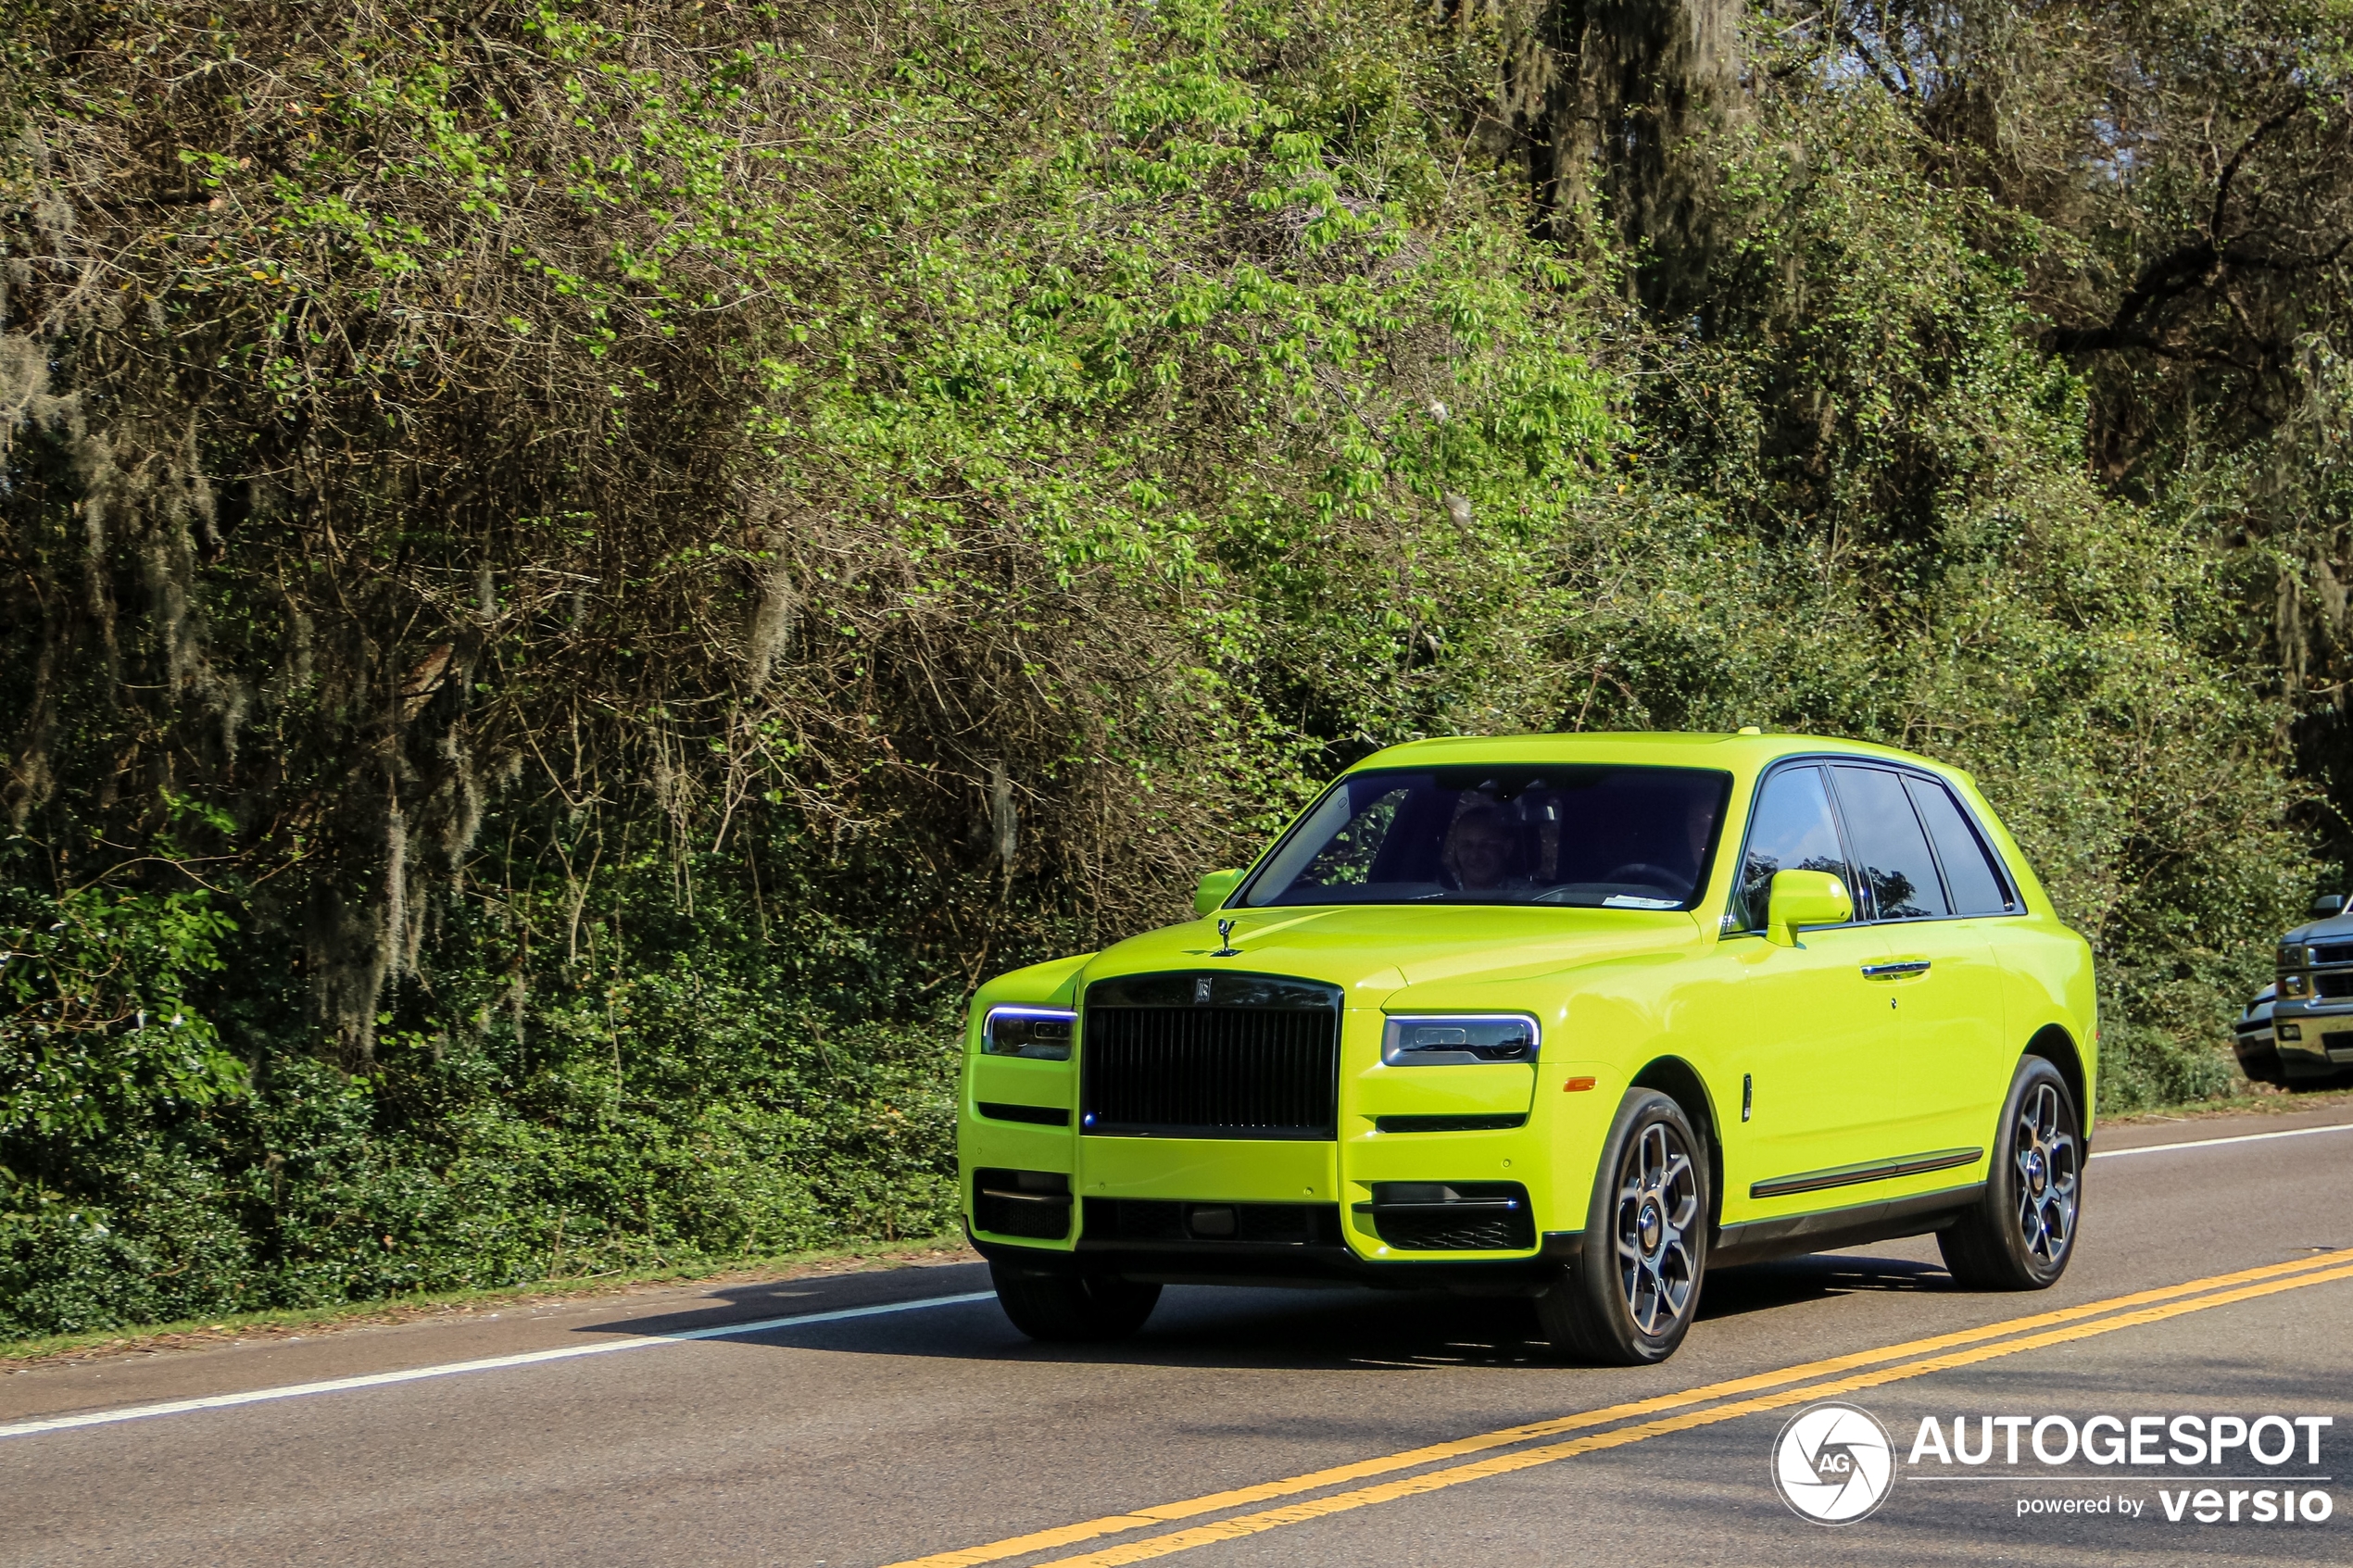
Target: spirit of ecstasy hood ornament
(1226, 948)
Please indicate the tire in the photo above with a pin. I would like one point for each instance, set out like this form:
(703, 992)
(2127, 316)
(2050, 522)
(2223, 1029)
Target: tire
(2021, 1233)
(1064, 1309)
(1632, 1298)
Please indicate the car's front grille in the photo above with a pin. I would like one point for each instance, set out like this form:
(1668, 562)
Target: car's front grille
(2340, 953)
(1210, 1056)
(2339, 983)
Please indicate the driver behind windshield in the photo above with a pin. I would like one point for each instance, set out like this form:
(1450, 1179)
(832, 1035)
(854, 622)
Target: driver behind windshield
(1610, 835)
(1480, 851)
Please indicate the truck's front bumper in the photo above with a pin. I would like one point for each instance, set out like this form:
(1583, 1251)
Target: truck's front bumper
(2314, 1039)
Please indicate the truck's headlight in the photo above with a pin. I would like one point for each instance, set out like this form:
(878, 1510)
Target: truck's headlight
(1043, 1034)
(2293, 958)
(1433, 1041)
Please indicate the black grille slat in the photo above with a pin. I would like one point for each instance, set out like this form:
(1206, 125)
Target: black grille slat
(1258, 1059)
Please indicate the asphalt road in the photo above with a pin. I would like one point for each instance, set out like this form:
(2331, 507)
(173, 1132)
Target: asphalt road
(871, 1439)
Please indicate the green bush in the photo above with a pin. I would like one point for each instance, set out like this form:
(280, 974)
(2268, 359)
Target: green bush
(577, 580)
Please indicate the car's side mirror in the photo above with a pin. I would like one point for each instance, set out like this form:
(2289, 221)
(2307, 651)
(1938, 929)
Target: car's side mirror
(1214, 890)
(1802, 898)
(2327, 904)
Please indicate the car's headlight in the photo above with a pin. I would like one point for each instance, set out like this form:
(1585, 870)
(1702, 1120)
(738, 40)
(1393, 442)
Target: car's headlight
(1433, 1041)
(2295, 958)
(1043, 1034)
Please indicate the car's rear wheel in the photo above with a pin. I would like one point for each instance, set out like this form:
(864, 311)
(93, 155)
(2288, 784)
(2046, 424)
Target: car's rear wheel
(1070, 1306)
(2020, 1233)
(1632, 1301)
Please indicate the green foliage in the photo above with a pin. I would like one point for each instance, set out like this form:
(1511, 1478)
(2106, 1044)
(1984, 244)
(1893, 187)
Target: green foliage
(97, 1030)
(615, 562)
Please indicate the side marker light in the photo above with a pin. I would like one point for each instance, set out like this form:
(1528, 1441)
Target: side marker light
(1577, 1085)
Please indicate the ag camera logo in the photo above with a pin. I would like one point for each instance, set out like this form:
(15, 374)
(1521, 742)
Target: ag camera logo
(1833, 1463)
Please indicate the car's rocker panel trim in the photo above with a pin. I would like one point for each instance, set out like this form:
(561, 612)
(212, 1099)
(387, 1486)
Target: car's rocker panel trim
(1828, 1229)
(1874, 1171)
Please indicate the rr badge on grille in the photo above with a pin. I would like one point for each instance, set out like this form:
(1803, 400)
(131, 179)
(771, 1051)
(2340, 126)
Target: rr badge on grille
(1201, 989)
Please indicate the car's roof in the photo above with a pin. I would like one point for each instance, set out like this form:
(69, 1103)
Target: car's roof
(1740, 752)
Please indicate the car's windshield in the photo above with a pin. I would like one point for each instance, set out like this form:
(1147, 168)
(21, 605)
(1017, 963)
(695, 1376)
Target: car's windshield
(1598, 836)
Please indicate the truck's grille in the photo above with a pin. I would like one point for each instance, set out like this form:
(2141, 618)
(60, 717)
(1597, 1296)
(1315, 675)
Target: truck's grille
(1210, 1056)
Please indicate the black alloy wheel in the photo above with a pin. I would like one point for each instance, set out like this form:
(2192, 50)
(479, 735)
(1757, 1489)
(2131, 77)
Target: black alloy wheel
(2021, 1233)
(1071, 1308)
(1632, 1298)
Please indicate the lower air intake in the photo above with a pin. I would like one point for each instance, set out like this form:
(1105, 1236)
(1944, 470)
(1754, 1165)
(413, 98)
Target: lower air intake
(1452, 1216)
(1031, 1204)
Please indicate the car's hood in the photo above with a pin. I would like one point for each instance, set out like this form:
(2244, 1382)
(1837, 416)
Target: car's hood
(1372, 950)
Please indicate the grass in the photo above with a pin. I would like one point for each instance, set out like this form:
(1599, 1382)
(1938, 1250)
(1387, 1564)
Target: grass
(2259, 1098)
(18, 1355)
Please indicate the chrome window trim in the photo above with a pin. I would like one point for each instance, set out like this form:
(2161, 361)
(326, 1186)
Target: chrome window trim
(1838, 817)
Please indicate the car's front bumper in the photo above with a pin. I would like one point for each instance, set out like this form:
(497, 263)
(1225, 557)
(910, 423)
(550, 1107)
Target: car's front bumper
(1191, 1261)
(1355, 1211)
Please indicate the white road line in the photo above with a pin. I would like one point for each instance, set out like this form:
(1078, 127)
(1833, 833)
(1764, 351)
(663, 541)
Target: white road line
(2217, 1143)
(488, 1363)
(765, 1325)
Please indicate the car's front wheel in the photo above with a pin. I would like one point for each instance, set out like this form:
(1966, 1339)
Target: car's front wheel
(2020, 1233)
(1632, 1301)
(1066, 1307)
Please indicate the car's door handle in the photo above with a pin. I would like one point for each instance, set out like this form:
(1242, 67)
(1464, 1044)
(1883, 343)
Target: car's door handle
(1895, 969)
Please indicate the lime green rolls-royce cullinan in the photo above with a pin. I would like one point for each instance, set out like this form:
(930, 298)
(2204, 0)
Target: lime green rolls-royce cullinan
(1569, 1016)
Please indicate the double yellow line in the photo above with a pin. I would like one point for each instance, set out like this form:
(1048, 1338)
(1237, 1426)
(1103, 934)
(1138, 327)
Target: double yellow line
(1742, 1395)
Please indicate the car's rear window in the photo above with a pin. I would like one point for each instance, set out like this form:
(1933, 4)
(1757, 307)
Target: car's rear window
(1595, 836)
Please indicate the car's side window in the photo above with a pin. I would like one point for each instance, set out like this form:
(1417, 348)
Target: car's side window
(1890, 848)
(1791, 830)
(1347, 860)
(1971, 874)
